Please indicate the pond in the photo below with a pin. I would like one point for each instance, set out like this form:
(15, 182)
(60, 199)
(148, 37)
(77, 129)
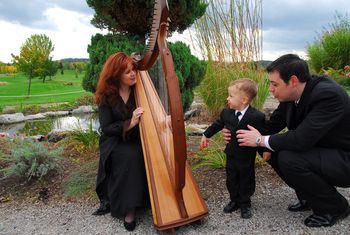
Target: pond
(45, 126)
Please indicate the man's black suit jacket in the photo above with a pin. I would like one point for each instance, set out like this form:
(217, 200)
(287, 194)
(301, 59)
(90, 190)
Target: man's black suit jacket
(321, 119)
(227, 119)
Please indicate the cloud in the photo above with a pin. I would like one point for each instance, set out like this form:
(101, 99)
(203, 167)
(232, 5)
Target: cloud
(69, 31)
(32, 13)
(288, 26)
(292, 25)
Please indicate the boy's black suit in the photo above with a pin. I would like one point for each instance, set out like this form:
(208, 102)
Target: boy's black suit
(240, 160)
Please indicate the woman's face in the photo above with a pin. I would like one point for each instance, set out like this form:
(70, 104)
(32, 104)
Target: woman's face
(128, 78)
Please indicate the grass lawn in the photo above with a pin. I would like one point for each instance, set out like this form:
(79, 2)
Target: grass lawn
(62, 88)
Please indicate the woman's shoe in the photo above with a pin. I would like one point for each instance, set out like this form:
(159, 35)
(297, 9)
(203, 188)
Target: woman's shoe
(130, 226)
(103, 209)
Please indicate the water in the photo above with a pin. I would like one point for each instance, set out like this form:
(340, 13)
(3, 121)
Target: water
(45, 126)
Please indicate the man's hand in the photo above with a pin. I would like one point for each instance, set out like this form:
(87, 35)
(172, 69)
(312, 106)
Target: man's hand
(226, 133)
(248, 137)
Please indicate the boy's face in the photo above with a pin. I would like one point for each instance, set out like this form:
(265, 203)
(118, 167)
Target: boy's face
(236, 99)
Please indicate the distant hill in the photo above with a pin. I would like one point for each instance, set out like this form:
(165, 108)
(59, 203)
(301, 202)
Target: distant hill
(72, 60)
(264, 63)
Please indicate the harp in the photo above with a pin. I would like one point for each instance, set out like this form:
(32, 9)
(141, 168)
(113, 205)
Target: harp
(174, 194)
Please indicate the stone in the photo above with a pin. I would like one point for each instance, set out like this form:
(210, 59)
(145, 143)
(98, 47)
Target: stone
(11, 118)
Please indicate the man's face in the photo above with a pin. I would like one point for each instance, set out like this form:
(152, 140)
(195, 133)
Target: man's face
(279, 89)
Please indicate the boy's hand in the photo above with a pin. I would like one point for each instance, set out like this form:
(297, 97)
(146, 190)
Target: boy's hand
(204, 142)
(266, 156)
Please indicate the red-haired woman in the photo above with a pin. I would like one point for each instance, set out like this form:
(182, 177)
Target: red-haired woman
(121, 180)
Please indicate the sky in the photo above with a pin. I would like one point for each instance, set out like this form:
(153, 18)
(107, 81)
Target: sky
(288, 26)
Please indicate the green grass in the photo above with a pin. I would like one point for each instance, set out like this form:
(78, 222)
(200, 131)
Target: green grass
(82, 182)
(52, 91)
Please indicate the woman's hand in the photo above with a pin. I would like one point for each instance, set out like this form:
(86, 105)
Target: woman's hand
(168, 122)
(135, 119)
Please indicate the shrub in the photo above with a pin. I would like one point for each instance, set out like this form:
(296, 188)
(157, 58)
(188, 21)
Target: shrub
(213, 156)
(332, 49)
(85, 100)
(189, 70)
(341, 76)
(32, 160)
(89, 138)
(213, 88)
(100, 48)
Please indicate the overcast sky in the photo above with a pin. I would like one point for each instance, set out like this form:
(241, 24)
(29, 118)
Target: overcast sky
(288, 26)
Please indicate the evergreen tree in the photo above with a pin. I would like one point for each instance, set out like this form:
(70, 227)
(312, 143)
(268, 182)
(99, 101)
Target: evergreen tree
(134, 17)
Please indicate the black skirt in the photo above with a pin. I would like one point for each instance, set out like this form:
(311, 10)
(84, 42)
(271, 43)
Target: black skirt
(127, 181)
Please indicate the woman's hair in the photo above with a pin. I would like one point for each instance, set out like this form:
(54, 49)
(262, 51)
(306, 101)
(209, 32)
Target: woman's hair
(107, 90)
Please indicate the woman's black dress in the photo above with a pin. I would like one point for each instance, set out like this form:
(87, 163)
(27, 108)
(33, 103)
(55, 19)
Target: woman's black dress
(121, 178)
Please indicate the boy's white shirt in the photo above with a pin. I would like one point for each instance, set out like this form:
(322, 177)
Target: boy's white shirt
(242, 112)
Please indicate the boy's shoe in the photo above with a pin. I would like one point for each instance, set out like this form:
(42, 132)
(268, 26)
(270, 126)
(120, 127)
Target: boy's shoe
(246, 212)
(230, 207)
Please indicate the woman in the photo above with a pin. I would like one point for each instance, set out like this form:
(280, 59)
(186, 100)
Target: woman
(121, 180)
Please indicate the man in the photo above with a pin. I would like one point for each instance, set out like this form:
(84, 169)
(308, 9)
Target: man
(313, 155)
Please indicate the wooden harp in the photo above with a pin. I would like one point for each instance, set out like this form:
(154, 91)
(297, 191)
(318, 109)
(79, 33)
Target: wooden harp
(174, 194)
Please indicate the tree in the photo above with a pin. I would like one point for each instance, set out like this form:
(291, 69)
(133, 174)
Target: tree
(51, 68)
(33, 56)
(100, 48)
(135, 17)
(188, 68)
(134, 20)
(60, 67)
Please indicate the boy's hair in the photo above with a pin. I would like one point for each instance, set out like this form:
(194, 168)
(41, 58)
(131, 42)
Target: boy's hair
(247, 86)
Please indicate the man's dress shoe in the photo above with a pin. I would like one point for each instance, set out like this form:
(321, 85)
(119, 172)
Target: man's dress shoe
(130, 226)
(230, 207)
(246, 212)
(102, 210)
(325, 220)
(299, 206)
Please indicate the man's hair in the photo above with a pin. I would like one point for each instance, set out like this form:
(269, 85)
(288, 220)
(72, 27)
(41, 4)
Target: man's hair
(289, 65)
(247, 86)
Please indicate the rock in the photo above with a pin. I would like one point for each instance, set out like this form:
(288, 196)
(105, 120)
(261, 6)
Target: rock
(83, 109)
(55, 136)
(57, 113)
(192, 113)
(11, 118)
(196, 129)
(34, 116)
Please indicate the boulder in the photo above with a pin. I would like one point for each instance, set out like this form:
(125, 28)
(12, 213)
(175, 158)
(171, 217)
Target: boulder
(83, 109)
(11, 118)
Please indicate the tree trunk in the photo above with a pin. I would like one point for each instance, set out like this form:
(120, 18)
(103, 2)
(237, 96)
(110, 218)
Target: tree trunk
(29, 84)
